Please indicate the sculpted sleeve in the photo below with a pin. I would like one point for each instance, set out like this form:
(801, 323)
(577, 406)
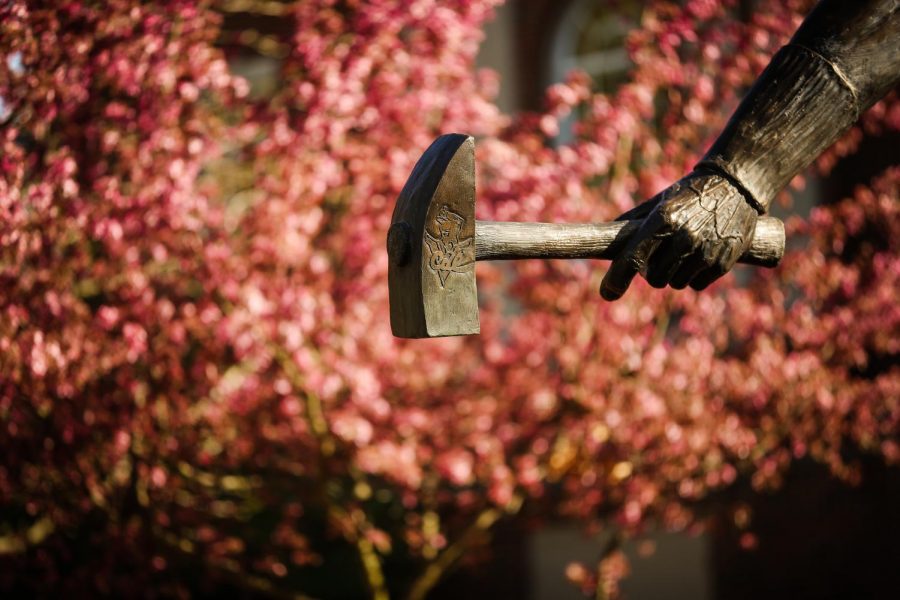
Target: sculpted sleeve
(843, 58)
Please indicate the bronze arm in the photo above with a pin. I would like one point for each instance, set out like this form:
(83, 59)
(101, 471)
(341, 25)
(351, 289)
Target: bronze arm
(843, 58)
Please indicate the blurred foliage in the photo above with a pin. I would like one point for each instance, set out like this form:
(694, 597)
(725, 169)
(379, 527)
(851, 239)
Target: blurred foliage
(200, 391)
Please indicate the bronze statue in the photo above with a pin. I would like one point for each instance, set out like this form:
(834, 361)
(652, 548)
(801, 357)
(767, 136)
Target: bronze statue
(434, 241)
(843, 58)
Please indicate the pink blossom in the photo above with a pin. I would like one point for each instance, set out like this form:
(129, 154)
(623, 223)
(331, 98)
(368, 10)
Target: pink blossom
(457, 465)
(195, 318)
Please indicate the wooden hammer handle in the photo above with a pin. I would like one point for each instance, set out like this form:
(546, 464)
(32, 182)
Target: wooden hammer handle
(510, 240)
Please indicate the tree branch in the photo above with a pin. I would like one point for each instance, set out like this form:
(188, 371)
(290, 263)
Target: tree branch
(452, 553)
(315, 413)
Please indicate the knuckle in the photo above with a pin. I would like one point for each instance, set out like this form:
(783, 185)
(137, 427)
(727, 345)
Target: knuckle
(709, 255)
(694, 239)
(687, 239)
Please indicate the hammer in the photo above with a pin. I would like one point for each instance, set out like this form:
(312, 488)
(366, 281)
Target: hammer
(434, 241)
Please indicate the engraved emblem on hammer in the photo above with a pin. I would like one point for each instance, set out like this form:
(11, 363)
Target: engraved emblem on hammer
(447, 253)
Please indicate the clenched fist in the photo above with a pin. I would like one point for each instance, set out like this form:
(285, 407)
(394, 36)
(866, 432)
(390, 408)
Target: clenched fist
(692, 233)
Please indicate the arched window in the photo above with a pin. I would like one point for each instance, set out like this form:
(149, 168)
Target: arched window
(591, 36)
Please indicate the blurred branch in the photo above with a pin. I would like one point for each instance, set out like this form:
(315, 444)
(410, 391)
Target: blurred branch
(227, 570)
(622, 163)
(360, 522)
(37, 532)
(266, 45)
(272, 8)
(449, 557)
(662, 327)
(612, 546)
(372, 566)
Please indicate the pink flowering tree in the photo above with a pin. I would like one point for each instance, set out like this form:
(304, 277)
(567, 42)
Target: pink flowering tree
(198, 383)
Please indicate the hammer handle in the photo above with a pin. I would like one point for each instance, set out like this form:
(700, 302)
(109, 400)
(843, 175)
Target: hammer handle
(511, 240)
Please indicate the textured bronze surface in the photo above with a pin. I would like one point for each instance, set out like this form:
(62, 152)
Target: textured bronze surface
(434, 241)
(431, 279)
(513, 241)
(842, 59)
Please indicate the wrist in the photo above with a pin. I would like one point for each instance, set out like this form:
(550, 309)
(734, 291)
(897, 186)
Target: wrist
(797, 108)
(707, 168)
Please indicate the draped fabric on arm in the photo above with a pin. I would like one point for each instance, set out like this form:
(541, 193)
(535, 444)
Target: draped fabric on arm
(843, 58)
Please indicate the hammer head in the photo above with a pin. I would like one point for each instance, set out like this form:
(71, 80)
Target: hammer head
(431, 244)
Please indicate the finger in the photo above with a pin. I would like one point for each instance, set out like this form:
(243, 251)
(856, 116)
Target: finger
(703, 279)
(726, 258)
(667, 258)
(690, 267)
(622, 270)
(659, 263)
